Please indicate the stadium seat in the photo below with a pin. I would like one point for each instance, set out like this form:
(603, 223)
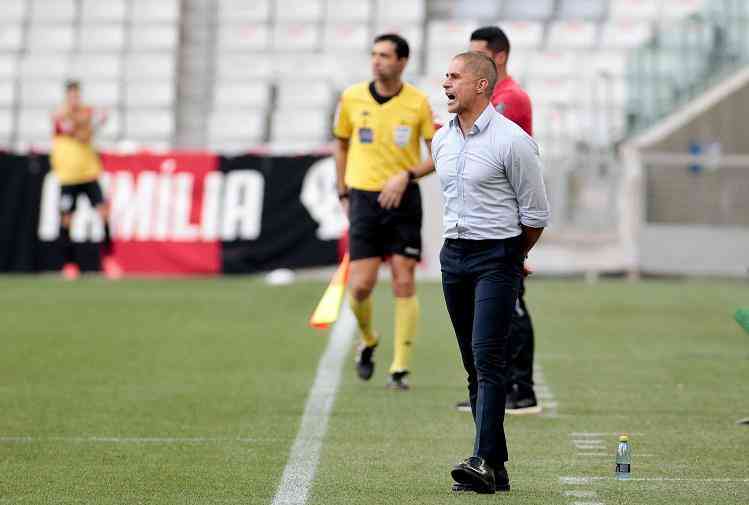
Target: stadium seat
(232, 11)
(7, 93)
(237, 127)
(412, 33)
(296, 65)
(238, 66)
(51, 38)
(646, 10)
(149, 94)
(6, 125)
(476, 9)
(11, 37)
(150, 11)
(96, 11)
(582, 9)
(341, 36)
(304, 94)
(296, 37)
(398, 11)
(112, 129)
(244, 37)
(449, 35)
(554, 90)
(438, 61)
(298, 11)
(41, 93)
(14, 11)
(53, 11)
(539, 10)
(603, 61)
(552, 63)
(675, 9)
(34, 125)
(572, 35)
(523, 34)
(347, 11)
(8, 66)
(149, 125)
(252, 94)
(101, 37)
(102, 93)
(45, 65)
(140, 66)
(154, 37)
(692, 35)
(300, 125)
(625, 34)
(519, 63)
(345, 69)
(85, 66)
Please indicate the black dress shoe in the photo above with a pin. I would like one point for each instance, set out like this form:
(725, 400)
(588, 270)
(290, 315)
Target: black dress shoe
(501, 483)
(476, 473)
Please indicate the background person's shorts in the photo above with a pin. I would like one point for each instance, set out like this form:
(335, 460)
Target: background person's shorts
(377, 232)
(69, 195)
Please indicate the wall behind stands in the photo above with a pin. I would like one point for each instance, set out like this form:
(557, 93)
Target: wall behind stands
(178, 213)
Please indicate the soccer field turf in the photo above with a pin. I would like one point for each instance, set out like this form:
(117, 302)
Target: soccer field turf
(192, 391)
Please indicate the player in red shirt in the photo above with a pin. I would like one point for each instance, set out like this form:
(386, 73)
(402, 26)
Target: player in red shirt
(511, 101)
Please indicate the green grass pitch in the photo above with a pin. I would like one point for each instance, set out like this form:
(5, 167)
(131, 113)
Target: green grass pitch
(192, 391)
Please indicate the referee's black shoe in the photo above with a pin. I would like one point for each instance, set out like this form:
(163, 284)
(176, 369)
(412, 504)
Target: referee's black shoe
(476, 473)
(501, 483)
(364, 363)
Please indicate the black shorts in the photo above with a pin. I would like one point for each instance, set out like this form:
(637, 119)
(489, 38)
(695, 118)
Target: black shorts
(69, 195)
(377, 232)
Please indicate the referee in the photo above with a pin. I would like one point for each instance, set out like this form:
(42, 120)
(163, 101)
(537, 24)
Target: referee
(378, 128)
(495, 210)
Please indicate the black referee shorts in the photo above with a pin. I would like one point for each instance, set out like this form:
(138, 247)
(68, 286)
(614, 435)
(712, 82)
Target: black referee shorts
(69, 195)
(377, 232)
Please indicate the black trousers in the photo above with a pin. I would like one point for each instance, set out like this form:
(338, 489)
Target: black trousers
(521, 346)
(481, 280)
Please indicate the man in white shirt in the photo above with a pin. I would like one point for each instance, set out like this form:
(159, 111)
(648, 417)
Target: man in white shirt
(495, 209)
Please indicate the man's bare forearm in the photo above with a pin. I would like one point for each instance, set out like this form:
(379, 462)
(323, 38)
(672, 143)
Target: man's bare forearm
(530, 236)
(340, 153)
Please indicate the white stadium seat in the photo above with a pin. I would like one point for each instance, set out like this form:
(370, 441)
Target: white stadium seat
(582, 9)
(51, 38)
(300, 125)
(244, 66)
(438, 61)
(400, 11)
(676, 9)
(101, 37)
(112, 128)
(109, 11)
(8, 66)
(342, 36)
(6, 125)
(237, 126)
(155, 11)
(523, 34)
(302, 11)
(450, 35)
(296, 65)
(53, 11)
(149, 124)
(153, 37)
(7, 93)
(34, 124)
(476, 9)
(142, 66)
(86, 66)
(233, 11)
(554, 90)
(102, 93)
(296, 36)
(552, 63)
(572, 35)
(239, 94)
(348, 11)
(304, 94)
(149, 94)
(411, 32)
(605, 62)
(625, 34)
(646, 10)
(41, 93)
(540, 10)
(11, 37)
(244, 37)
(14, 11)
(45, 65)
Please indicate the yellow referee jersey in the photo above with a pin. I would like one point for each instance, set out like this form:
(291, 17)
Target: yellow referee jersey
(383, 138)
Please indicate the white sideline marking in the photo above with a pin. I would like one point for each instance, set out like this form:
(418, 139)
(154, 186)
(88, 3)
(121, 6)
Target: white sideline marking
(130, 440)
(305, 453)
(543, 393)
(587, 503)
(589, 480)
(582, 434)
(575, 481)
(580, 494)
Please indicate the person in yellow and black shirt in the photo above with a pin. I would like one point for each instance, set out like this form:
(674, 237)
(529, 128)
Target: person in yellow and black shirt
(77, 166)
(378, 128)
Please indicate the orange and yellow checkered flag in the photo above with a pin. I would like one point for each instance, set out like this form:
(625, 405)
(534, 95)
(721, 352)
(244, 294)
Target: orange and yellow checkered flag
(326, 312)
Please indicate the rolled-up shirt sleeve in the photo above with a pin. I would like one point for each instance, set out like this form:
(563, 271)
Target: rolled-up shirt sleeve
(525, 173)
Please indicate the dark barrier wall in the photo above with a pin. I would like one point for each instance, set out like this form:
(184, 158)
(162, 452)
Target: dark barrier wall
(178, 214)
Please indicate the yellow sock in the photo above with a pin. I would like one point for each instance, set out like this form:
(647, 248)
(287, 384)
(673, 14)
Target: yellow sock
(406, 322)
(363, 312)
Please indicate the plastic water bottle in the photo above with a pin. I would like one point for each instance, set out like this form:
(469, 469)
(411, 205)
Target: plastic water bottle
(623, 458)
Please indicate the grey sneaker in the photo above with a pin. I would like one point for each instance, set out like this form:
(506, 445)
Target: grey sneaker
(398, 381)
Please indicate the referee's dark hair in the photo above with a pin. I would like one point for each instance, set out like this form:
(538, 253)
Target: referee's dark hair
(495, 38)
(401, 46)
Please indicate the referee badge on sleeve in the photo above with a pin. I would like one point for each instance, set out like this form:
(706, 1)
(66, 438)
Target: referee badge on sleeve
(366, 135)
(401, 135)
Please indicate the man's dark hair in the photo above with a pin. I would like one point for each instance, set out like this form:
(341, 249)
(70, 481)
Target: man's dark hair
(71, 84)
(401, 46)
(495, 38)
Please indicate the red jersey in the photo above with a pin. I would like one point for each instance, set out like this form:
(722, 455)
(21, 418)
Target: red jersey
(513, 103)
